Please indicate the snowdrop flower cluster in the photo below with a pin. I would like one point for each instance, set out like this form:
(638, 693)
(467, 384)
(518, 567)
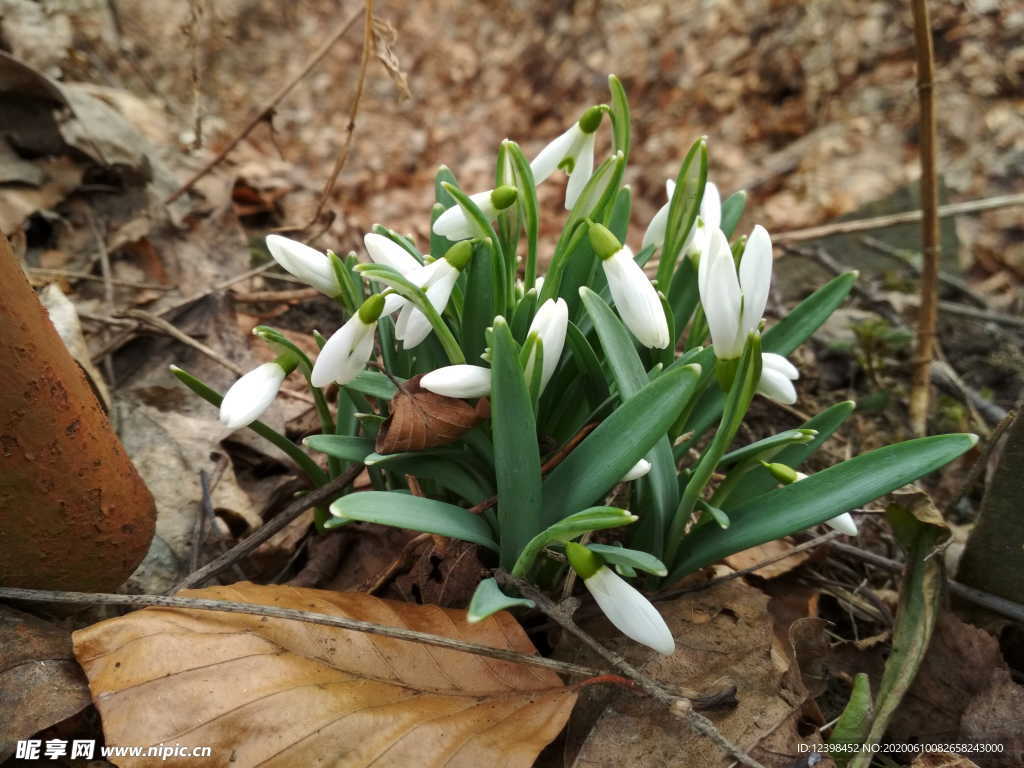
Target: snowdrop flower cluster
(601, 382)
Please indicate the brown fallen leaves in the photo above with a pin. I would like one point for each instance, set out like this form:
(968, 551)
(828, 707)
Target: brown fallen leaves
(269, 692)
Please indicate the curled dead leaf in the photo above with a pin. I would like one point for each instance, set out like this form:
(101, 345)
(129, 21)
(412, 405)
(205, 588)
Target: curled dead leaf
(270, 692)
(421, 419)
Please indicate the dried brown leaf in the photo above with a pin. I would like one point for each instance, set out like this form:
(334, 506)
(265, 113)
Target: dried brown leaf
(284, 693)
(421, 419)
(40, 682)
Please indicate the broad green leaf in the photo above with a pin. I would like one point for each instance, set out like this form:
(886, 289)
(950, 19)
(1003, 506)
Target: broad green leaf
(622, 439)
(449, 469)
(788, 334)
(344, 447)
(526, 204)
(732, 211)
(516, 454)
(309, 467)
(854, 723)
(488, 599)
(479, 309)
(822, 496)
(759, 480)
(684, 207)
(658, 491)
(745, 378)
(586, 363)
(631, 558)
(569, 528)
(683, 296)
(402, 510)
(373, 383)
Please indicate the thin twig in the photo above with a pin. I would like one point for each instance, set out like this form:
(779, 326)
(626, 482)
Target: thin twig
(911, 260)
(350, 128)
(108, 286)
(47, 273)
(309, 617)
(1000, 605)
(681, 706)
(317, 497)
(927, 317)
(295, 294)
(893, 219)
(985, 315)
(267, 109)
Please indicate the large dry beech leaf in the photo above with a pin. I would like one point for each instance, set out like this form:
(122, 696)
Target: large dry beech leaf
(269, 692)
(420, 419)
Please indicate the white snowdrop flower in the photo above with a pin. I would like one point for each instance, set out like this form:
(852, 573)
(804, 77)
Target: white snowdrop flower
(572, 151)
(708, 220)
(777, 377)
(438, 279)
(462, 380)
(305, 263)
(734, 303)
(346, 353)
(384, 250)
(631, 613)
(635, 298)
(251, 395)
(637, 471)
(456, 225)
(786, 475)
(549, 324)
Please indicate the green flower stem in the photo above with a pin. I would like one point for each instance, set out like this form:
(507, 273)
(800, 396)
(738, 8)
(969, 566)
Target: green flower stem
(309, 467)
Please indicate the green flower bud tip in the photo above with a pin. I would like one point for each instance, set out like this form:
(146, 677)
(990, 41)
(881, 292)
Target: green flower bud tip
(504, 196)
(371, 309)
(784, 473)
(460, 254)
(591, 119)
(604, 242)
(582, 560)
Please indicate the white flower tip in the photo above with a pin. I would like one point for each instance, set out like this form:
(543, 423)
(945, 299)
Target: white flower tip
(637, 471)
(843, 523)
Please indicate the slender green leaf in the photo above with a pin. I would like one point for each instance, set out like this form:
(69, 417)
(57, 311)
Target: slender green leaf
(585, 360)
(416, 513)
(488, 599)
(516, 454)
(481, 292)
(374, 384)
(767, 447)
(526, 204)
(343, 447)
(569, 528)
(620, 116)
(631, 558)
(820, 497)
(855, 722)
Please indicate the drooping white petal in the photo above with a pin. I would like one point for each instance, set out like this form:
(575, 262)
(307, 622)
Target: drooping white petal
(458, 381)
(721, 300)
(779, 363)
(547, 161)
(581, 171)
(392, 303)
(776, 386)
(455, 225)
(718, 248)
(755, 277)
(656, 229)
(385, 251)
(305, 263)
(631, 613)
(844, 523)
(637, 471)
(550, 323)
(345, 354)
(636, 299)
(416, 327)
(251, 395)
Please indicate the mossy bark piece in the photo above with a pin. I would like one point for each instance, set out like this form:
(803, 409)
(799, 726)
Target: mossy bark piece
(74, 513)
(993, 560)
